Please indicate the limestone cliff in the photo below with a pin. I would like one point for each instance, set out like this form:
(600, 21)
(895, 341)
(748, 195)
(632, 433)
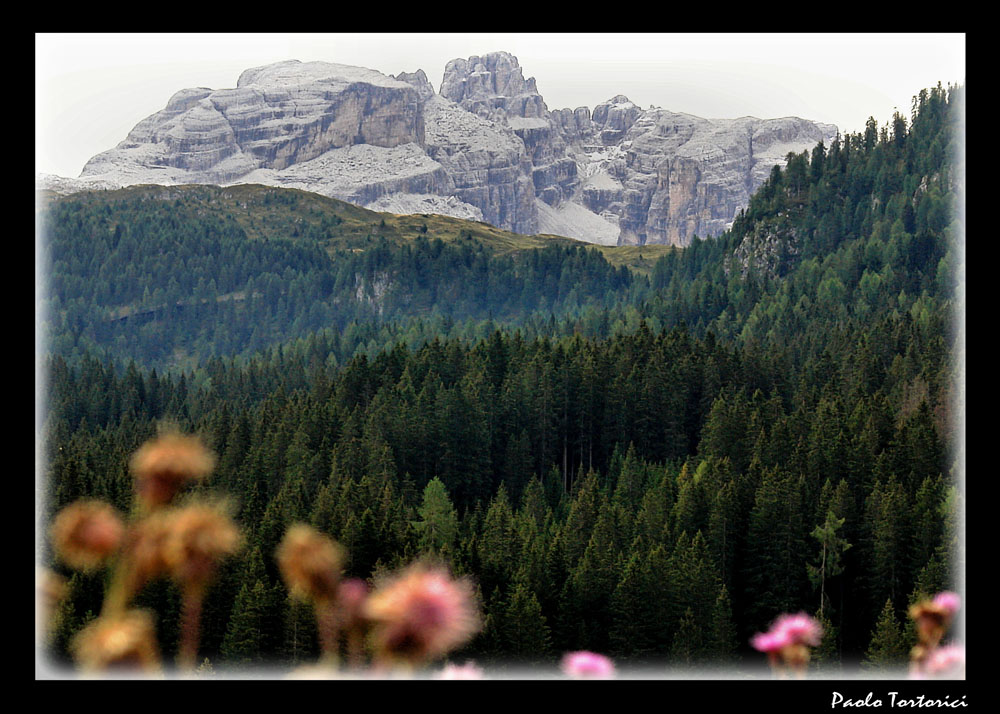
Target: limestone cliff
(484, 146)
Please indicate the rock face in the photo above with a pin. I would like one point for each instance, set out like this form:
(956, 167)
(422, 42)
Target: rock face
(486, 146)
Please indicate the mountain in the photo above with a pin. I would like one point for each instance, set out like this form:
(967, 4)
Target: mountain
(484, 148)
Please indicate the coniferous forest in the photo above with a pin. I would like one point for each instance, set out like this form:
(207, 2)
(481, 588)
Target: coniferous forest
(649, 454)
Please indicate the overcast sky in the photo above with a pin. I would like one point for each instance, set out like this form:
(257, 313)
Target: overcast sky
(91, 89)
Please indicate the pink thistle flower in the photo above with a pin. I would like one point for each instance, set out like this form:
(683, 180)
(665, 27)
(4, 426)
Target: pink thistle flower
(587, 665)
(770, 641)
(946, 663)
(799, 629)
(421, 614)
(948, 602)
(469, 670)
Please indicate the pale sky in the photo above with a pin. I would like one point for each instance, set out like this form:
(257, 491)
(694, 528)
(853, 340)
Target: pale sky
(91, 89)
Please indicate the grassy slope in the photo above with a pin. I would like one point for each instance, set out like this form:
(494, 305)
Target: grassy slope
(248, 205)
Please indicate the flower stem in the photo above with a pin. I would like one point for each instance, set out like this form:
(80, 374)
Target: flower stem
(187, 653)
(326, 624)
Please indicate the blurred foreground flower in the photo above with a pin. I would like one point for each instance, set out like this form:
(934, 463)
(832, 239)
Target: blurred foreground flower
(162, 467)
(351, 598)
(469, 670)
(946, 663)
(929, 659)
(933, 617)
(185, 542)
(121, 642)
(787, 643)
(308, 672)
(50, 589)
(197, 538)
(587, 665)
(145, 556)
(421, 614)
(85, 534)
(310, 564)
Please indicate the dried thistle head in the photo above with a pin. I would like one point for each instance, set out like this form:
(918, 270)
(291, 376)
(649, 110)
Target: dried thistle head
(85, 534)
(197, 537)
(163, 466)
(421, 613)
(310, 563)
(147, 547)
(933, 617)
(126, 641)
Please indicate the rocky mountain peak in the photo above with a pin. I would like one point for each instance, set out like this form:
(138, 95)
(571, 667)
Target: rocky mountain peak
(486, 145)
(492, 86)
(419, 81)
(291, 73)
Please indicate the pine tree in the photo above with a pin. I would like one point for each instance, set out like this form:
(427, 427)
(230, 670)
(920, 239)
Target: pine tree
(832, 548)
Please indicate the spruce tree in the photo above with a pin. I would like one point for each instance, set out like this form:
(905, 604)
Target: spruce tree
(243, 642)
(887, 650)
(524, 631)
(722, 643)
(438, 524)
(688, 645)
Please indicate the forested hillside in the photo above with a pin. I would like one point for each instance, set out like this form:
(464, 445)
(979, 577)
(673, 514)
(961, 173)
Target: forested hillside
(172, 277)
(649, 458)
